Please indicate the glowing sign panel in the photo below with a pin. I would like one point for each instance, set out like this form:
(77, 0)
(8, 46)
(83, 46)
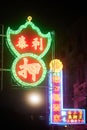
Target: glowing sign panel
(28, 39)
(58, 114)
(29, 69)
(29, 46)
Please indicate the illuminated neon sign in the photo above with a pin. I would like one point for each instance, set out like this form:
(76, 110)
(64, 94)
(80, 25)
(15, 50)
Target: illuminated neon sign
(59, 115)
(30, 70)
(29, 46)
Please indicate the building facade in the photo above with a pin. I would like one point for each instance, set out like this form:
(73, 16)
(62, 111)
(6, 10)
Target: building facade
(74, 54)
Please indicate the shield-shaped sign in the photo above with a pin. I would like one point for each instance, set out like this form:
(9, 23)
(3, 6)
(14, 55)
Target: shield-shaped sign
(28, 44)
(28, 39)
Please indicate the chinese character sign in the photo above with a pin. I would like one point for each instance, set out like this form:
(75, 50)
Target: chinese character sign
(29, 69)
(29, 46)
(59, 115)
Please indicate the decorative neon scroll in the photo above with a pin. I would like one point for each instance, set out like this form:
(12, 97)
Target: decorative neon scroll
(29, 46)
(59, 115)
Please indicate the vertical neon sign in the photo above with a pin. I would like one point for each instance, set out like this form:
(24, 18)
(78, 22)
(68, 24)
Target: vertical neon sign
(59, 115)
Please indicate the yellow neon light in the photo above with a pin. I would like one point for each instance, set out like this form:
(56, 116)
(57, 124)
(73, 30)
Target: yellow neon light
(56, 107)
(56, 118)
(56, 79)
(56, 97)
(56, 65)
(29, 18)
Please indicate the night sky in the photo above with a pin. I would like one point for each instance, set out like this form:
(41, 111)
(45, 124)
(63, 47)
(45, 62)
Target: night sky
(48, 16)
(51, 14)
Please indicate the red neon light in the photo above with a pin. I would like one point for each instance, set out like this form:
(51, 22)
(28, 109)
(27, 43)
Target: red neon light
(56, 88)
(56, 97)
(29, 69)
(56, 118)
(28, 41)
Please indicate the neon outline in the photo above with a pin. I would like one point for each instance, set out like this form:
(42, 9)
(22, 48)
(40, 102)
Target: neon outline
(63, 110)
(28, 23)
(24, 84)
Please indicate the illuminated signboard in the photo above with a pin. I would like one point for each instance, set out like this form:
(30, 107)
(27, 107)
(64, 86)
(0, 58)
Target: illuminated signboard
(29, 46)
(59, 115)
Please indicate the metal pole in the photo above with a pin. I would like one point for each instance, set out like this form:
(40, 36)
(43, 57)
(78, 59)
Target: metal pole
(53, 44)
(53, 57)
(2, 49)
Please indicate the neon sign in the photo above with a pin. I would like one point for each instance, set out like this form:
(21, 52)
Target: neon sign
(29, 46)
(58, 114)
(30, 70)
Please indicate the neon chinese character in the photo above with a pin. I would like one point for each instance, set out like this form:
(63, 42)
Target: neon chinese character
(56, 118)
(56, 107)
(75, 116)
(56, 79)
(22, 43)
(69, 117)
(32, 69)
(80, 115)
(56, 97)
(37, 43)
(56, 88)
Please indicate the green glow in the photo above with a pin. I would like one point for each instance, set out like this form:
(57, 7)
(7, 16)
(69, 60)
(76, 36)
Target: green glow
(25, 84)
(18, 56)
(28, 23)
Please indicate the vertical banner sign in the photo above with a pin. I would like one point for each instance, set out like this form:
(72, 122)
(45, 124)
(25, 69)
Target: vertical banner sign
(59, 115)
(29, 46)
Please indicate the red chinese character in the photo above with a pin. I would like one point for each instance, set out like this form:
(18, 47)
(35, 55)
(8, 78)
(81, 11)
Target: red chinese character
(56, 97)
(56, 118)
(56, 107)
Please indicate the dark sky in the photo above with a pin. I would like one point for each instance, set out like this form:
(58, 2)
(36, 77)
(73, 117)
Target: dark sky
(49, 14)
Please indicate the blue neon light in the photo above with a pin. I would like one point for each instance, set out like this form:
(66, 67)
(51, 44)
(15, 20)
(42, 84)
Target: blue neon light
(65, 116)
